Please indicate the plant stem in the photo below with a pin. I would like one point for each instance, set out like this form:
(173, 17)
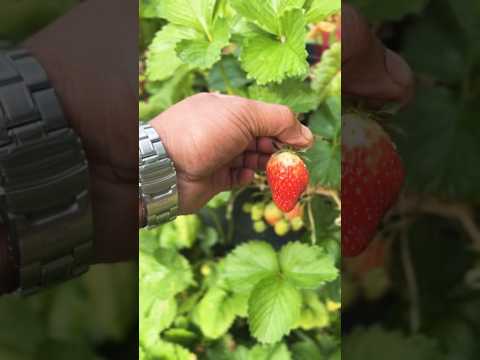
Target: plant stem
(411, 280)
(312, 223)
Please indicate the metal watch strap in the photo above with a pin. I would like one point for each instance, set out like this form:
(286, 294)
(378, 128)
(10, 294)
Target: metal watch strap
(158, 179)
(44, 197)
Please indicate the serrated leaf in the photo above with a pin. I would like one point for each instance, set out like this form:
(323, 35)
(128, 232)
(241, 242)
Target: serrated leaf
(295, 94)
(162, 60)
(273, 309)
(217, 310)
(326, 121)
(325, 163)
(308, 350)
(180, 233)
(306, 267)
(155, 317)
(321, 9)
(196, 14)
(268, 58)
(277, 351)
(168, 351)
(202, 52)
(327, 70)
(170, 92)
(225, 74)
(266, 14)
(248, 264)
(448, 136)
(163, 275)
(376, 343)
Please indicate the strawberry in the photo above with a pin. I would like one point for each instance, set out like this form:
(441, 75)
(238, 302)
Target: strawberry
(287, 176)
(296, 212)
(372, 176)
(272, 213)
(282, 227)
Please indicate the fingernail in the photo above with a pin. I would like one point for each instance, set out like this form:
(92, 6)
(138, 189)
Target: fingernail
(307, 134)
(398, 69)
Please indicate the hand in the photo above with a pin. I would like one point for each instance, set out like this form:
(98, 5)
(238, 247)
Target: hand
(369, 70)
(217, 142)
(94, 70)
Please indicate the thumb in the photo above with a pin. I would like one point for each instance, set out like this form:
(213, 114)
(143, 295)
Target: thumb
(369, 69)
(279, 122)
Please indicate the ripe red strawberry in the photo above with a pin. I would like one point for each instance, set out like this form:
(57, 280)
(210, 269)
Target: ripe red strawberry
(372, 176)
(287, 176)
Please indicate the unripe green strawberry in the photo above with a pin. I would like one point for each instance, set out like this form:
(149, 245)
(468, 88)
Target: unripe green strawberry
(288, 177)
(257, 211)
(259, 226)
(282, 227)
(296, 223)
(372, 176)
(297, 211)
(272, 213)
(247, 207)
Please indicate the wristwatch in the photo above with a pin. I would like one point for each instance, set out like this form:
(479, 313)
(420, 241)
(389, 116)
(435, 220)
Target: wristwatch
(157, 180)
(44, 198)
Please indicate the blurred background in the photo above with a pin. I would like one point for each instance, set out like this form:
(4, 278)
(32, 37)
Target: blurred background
(93, 317)
(415, 294)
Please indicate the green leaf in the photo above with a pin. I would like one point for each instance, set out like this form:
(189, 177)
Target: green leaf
(202, 52)
(376, 343)
(327, 70)
(326, 121)
(248, 264)
(388, 10)
(155, 317)
(320, 9)
(181, 233)
(148, 8)
(268, 58)
(169, 92)
(217, 310)
(162, 60)
(277, 351)
(307, 350)
(306, 267)
(447, 140)
(163, 275)
(195, 14)
(273, 309)
(168, 351)
(295, 94)
(266, 14)
(225, 74)
(430, 40)
(325, 163)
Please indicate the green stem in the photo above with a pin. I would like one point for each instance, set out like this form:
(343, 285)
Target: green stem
(312, 223)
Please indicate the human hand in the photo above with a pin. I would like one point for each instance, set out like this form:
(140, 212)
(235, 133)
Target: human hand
(369, 70)
(217, 142)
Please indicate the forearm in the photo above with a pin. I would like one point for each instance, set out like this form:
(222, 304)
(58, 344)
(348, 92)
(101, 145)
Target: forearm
(92, 64)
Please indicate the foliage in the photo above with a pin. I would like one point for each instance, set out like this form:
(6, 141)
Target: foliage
(72, 320)
(416, 290)
(221, 284)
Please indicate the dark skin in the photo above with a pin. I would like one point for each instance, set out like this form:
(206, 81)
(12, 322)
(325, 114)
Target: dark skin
(99, 96)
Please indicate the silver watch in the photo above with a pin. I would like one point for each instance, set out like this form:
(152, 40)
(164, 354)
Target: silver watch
(44, 195)
(157, 178)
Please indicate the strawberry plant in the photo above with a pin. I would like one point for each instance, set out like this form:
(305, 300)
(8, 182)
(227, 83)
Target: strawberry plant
(254, 274)
(414, 292)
